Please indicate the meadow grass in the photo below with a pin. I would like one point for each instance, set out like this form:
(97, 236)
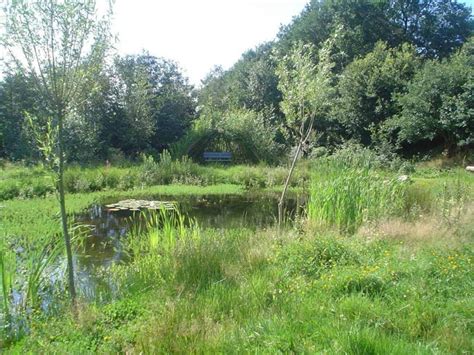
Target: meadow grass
(348, 197)
(237, 291)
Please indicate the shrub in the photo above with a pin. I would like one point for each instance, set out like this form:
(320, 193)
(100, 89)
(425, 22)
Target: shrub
(9, 190)
(167, 170)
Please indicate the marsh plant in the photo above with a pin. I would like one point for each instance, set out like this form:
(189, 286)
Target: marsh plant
(7, 278)
(24, 280)
(454, 197)
(159, 231)
(346, 197)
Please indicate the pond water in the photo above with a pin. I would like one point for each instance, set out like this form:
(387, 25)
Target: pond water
(107, 228)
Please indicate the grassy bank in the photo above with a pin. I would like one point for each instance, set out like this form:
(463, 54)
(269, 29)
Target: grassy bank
(23, 182)
(36, 217)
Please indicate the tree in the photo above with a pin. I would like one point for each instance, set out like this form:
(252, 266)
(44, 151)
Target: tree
(60, 45)
(439, 103)
(17, 94)
(436, 27)
(158, 100)
(363, 23)
(306, 89)
(368, 87)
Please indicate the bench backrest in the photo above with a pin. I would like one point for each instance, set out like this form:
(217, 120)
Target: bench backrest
(223, 156)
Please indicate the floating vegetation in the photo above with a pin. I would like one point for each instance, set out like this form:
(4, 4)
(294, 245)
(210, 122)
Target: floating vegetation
(137, 205)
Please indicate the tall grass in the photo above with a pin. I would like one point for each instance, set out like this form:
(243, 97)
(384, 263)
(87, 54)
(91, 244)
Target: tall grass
(7, 277)
(38, 259)
(159, 230)
(345, 196)
(25, 183)
(23, 278)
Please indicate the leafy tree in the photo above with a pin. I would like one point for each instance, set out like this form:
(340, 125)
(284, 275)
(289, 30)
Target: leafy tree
(157, 99)
(17, 94)
(211, 96)
(59, 45)
(439, 103)
(368, 87)
(306, 89)
(435, 27)
(134, 97)
(251, 84)
(360, 24)
(88, 127)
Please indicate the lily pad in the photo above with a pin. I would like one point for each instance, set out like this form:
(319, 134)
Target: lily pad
(137, 205)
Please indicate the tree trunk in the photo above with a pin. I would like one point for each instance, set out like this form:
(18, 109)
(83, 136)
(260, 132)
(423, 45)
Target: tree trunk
(287, 182)
(62, 204)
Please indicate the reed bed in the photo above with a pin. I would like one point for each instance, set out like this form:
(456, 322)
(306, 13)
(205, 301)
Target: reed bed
(346, 197)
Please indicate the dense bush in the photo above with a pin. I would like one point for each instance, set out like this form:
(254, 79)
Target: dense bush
(439, 103)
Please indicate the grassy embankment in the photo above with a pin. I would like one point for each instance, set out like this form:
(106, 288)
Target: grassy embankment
(378, 266)
(22, 182)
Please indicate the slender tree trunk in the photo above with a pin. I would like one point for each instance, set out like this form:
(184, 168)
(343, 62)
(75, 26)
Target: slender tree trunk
(62, 204)
(287, 182)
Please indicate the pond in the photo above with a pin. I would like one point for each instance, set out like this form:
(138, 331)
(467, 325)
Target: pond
(107, 228)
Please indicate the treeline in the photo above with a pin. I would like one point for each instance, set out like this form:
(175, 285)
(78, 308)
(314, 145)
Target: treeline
(401, 82)
(139, 103)
(402, 76)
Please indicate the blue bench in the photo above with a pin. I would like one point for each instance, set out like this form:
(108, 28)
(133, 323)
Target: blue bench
(217, 156)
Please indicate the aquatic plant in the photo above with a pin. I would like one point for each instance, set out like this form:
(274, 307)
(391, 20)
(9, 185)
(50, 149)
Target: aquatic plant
(346, 197)
(7, 278)
(159, 230)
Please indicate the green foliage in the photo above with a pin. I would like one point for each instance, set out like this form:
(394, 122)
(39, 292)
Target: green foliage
(237, 291)
(7, 278)
(185, 288)
(251, 84)
(157, 101)
(305, 86)
(438, 104)
(168, 171)
(435, 27)
(249, 135)
(368, 88)
(346, 197)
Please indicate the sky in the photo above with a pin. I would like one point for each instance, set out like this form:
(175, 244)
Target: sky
(199, 34)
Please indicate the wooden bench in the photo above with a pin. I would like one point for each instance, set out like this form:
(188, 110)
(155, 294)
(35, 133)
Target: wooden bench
(217, 156)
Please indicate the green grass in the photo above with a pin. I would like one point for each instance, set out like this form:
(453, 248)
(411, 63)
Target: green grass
(348, 197)
(37, 217)
(401, 283)
(21, 182)
(237, 291)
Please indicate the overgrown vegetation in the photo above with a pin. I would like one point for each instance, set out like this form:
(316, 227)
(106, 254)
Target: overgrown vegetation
(25, 182)
(372, 247)
(378, 256)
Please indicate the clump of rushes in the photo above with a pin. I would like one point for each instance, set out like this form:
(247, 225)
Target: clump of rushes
(159, 231)
(345, 197)
(7, 273)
